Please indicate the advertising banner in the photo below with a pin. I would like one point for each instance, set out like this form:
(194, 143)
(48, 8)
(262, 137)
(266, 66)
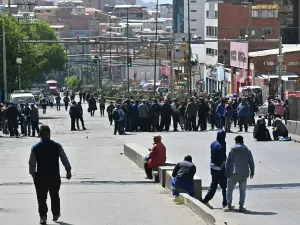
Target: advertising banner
(79, 33)
(239, 55)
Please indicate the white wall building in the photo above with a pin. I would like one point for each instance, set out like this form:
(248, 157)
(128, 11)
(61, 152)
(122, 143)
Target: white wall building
(197, 17)
(211, 48)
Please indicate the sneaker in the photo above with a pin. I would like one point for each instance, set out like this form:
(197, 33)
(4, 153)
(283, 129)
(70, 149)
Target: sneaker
(55, 218)
(43, 220)
(228, 208)
(242, 209)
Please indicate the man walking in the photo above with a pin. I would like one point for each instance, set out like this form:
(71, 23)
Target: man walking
(217, 168)
(57, 100)
(243, 115)
(44, 168)
(34, 119)
(239, 161)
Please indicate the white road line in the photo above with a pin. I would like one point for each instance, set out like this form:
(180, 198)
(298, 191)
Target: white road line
(275, 168)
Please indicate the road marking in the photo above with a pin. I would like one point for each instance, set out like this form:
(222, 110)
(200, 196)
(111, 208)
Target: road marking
(275, 168)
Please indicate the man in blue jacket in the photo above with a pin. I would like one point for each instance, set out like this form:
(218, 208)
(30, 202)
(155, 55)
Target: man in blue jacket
(220, 114)
(243, 111)
(217, 168)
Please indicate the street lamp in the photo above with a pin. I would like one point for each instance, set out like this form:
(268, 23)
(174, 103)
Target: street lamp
(19, 62)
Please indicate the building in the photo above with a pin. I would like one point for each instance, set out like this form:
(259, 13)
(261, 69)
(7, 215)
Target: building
(166, 10)
(130, 11)
(211, 48)
(98, 4)
(180, 16)
(254, 21)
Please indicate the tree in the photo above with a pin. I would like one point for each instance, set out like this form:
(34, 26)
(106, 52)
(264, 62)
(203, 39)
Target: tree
(37, 59)
(72, 81)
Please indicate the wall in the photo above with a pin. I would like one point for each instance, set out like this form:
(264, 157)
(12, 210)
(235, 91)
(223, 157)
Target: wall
(197, 14)
(265, 65)
(231, 25)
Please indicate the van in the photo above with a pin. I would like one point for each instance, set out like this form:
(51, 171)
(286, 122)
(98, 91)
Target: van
(22, 98)
(163, 90)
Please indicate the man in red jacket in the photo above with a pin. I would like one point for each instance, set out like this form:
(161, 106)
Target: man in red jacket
(157, 157)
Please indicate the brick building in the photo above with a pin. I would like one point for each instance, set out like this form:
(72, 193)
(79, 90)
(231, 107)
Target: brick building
(252, 20)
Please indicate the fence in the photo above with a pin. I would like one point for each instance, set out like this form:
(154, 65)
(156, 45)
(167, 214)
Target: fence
(294, 108)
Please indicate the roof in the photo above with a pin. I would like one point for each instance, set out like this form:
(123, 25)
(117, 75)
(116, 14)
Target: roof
(45, 7)
(265, 6)
(92, 10)
(128, 6)
(57, 26)
(285, 49)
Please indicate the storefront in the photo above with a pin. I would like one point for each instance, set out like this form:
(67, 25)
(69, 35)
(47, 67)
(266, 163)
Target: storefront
(211, 80)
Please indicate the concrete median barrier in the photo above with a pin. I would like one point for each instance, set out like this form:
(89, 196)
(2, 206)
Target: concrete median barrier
(162, 174)
(297, 125)
(197, 184)
(137, 153)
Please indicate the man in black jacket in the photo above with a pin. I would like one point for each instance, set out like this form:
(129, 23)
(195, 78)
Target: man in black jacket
(203, 110)
(74, 114)
(44, 169)
(217, 168)
(183, 177)
(166, 113)
(271, 112)
(80, 116)
(27, 124)
(155, 111)
(11, 113)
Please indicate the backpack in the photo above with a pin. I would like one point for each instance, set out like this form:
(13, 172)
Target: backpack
(116, 115)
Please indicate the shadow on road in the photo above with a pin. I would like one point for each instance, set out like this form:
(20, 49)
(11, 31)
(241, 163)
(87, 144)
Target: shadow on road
(50, 118)
(2, 210)
(260, 213)
(117, 182)
(64, 223)
(267, 186)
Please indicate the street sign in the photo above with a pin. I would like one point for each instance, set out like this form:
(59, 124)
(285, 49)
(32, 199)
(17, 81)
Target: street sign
(283, 69)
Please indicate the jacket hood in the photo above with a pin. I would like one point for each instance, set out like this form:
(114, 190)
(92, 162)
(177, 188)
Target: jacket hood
(221, 135)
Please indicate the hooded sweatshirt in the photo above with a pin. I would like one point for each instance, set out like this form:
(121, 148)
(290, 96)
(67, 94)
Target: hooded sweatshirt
(218, 152)
(239, 161)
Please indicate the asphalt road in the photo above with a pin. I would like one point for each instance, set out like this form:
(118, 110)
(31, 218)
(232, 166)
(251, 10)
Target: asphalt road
(106, 187)
(105, 181)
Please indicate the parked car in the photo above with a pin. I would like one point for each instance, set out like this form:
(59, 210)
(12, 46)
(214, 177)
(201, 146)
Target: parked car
(263, 110)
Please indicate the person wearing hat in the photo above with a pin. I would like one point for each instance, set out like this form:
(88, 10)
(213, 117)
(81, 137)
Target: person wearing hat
(183, 177)
(157, 156)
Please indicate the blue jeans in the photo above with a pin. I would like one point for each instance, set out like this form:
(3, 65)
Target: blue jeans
(232, 181)
(189, 188)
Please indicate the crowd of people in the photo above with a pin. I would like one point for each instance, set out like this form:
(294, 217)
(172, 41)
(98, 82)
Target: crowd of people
(195, 115)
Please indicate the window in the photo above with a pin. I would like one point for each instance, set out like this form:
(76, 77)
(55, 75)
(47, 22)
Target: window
(211, 31)
(193, 20)
(216, 14)
(193, 29)
(243, 32)
(207, 14)
(268, 31)
(193, 1)
(264, 13)
(254, 13)
(211, 52)
(193, 10)
(216, 31)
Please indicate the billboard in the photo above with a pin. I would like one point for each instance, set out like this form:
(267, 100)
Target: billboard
(239, 55)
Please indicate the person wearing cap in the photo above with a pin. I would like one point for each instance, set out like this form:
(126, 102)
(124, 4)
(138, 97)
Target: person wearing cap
(44, 169)
(157, 156)
(183, 177)
(239, 166)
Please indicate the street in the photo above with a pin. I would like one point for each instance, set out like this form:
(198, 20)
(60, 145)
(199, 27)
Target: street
(107, 188)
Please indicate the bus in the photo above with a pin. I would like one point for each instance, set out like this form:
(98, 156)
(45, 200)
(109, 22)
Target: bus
(44, 88)
(53, 85)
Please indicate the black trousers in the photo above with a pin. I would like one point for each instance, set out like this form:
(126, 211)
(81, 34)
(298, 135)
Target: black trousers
(176, 121)
(148, 170)
(243, 121)
(81, 120)
(143, 123)
(58, 106)
(110, 118)
(118, 127)
(13, 128)
(66, 106)
(202, 123)
(92, 112)
(165, 123)
(217, 178)
(212, 118)
(73, 119)
(43, 185)
(35, 127)
(192, 123)
(102, 109)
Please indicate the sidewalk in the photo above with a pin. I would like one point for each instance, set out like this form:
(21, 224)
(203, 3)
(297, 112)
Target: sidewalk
(106, 187)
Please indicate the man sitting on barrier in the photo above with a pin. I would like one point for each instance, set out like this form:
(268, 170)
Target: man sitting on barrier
(157, 156)
(183, 177)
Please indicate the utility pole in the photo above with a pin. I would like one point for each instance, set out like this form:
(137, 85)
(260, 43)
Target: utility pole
(189, 60)
(127, 31)
(171, 64)
(110, 67)
(100, 69)
(155, 47)
(280, 62)
(4, 59)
